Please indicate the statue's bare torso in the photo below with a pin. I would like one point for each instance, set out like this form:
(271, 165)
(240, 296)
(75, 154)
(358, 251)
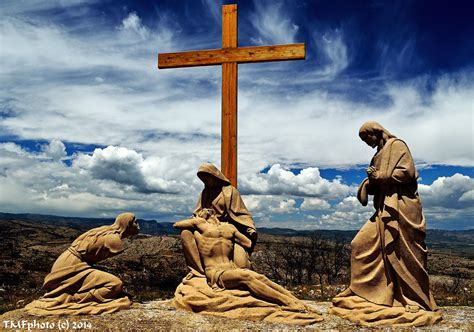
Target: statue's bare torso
(215, 243)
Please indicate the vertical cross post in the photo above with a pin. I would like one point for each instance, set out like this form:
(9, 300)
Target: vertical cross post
(229, 97)
(229, 56)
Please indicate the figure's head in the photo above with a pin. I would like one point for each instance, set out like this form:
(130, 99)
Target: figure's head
(127, 224)
(211, 176)
(209, 215)
(374, 134)
(208, 179)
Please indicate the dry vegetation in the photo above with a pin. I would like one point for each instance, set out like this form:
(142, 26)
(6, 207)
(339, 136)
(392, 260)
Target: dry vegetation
(314, 267)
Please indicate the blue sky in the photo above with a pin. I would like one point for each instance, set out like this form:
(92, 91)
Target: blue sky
(90, 127)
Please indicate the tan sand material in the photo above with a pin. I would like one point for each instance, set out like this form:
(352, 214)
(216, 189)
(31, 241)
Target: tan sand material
(389, 281)
(74, 286)
(217, 285)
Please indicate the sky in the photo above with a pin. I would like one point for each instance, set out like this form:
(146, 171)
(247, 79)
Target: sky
(90, 127)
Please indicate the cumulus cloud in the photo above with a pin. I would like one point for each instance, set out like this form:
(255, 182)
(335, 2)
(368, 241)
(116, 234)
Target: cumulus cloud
(279, 181)
(181, 106)
(128, 167)
(314, 204)
(116, 179)
(29, 182)
(95, 81)
(447, 198)
(118, 164)
(265, 205)
(55, 149)
(467, 197)
(347, 214)
(451, 192)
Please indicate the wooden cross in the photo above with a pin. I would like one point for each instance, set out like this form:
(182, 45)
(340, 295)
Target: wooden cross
(229, 56)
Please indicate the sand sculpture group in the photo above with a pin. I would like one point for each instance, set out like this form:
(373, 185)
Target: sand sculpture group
(389, 282)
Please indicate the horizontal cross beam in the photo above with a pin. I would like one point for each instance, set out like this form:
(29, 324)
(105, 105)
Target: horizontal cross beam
(225, 55)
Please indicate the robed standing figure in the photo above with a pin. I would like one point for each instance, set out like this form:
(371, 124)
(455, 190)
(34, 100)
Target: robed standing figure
(389, 280)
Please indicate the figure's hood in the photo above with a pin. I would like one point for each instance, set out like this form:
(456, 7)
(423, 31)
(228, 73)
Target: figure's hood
(212, 170)
(123, 220)
(372, 127)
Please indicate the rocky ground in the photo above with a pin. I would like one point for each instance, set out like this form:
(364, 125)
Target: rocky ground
(161, 315)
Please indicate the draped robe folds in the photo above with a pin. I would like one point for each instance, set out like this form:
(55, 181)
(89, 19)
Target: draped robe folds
(75, 287)
(389, 281)
(228, 206)
(195, 294)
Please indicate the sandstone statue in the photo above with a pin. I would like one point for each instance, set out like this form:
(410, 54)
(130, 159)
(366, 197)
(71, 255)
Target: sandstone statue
(74, 286)
(217, 242)
(220, 196)
(389, 282)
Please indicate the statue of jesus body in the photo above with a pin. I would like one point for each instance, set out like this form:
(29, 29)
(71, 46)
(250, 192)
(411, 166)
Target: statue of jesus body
(215, 241)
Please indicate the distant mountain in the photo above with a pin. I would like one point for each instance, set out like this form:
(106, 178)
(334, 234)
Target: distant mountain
(457, 241)
(151, 227)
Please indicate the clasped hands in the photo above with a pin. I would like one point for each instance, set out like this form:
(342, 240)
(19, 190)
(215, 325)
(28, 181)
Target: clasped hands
(373, 173)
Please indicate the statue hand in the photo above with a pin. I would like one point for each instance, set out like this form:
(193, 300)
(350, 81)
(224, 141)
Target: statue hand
(373, 173)
(363, 192)
(252, 233)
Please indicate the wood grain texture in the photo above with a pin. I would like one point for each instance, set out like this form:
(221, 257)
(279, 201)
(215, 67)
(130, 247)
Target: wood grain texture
(239, 55)
(229, 97)
(229, 56)
(229, 26)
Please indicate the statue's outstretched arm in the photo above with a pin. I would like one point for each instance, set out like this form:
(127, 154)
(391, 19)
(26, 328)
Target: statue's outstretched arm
(191, 252)
(185, 224)
(242, 239)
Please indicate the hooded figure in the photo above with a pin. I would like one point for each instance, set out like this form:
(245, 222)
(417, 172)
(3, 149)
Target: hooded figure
(220, 282)
(74, 286)
(220, 196)
(227, 204)
(389, 281)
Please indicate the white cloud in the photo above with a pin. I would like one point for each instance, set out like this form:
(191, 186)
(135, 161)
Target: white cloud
(55, 149)
(279, 181)
(29, 182)
(321, 129)
(450, 192)
(133, 23)
(117, 179)
(332, 53)
(14, 7)
(128, 167)
(96, 82)
(348, 214)
(304, 125)
(266, 205)
(445, 200)
(115, 163)
(314, 204)
(467, 197)
(272, 24)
